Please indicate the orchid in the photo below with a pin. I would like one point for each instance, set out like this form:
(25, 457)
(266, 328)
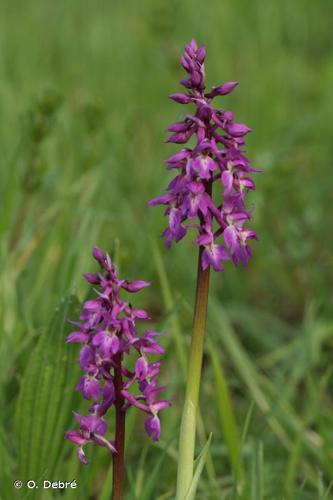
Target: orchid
(107, 332)
(217, 158)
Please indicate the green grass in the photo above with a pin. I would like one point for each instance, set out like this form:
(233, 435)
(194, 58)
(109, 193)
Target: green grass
(83, 111)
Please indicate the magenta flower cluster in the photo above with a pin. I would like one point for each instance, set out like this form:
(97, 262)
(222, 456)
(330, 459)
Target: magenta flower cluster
(216, 156)
(107, 333)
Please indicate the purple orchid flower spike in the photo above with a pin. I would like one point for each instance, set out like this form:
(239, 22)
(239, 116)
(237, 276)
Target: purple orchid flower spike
(107, 332)
(216, 158)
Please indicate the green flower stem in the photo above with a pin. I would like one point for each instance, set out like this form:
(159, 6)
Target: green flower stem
(188, 423)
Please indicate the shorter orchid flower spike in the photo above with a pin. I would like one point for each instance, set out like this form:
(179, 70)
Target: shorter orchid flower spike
(107, 328)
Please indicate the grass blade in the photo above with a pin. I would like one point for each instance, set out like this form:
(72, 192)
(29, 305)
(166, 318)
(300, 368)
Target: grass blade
(199, 465)
(226, 414)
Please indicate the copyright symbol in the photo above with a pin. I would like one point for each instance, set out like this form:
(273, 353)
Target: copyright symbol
(17, 484)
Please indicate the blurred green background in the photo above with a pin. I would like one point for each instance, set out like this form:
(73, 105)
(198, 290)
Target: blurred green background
(84, 108)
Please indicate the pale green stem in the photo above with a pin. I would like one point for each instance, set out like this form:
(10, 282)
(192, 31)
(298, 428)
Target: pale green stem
(169, 301)
(188, 423)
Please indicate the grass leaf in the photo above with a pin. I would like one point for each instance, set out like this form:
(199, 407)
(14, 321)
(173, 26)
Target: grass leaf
(199, 465)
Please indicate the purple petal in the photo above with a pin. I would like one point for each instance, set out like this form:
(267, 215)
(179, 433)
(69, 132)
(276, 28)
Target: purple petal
(181, 155)
(101, 441)
(201, 54)
(98, 338)
(243, 254)
(86, 423)
(192, 46)
(141, 368)
(180, 98)
(181, 137)
(247, 183)
(91, 423)
(249, 234)
(92, 305)
(134, 402)
(135, 286)
(178, 127)
(109, 392)
(184, 63)
(76, 437)
(211, 256)
(77, 337)
(98, 254)
(114, 344)
(205, 239)
(175, 217)
(100, 427)
(224, 89)
(230, 238)
(90, 387)
(227, 180)
(186, 83)
(196, 78)
(91, 278)
(86, 357)
(140, 314)
(153, 369)
(81, 456)
(238, 129)
(153, 348)
(153, 427)
(161, 200)
(203, 165)
(161, 405)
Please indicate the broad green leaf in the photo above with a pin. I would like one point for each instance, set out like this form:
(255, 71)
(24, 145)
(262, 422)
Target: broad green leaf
(46, 398)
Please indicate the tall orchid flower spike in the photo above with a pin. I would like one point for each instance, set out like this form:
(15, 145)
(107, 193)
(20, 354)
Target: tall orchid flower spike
(215, 159)
(107, 332)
